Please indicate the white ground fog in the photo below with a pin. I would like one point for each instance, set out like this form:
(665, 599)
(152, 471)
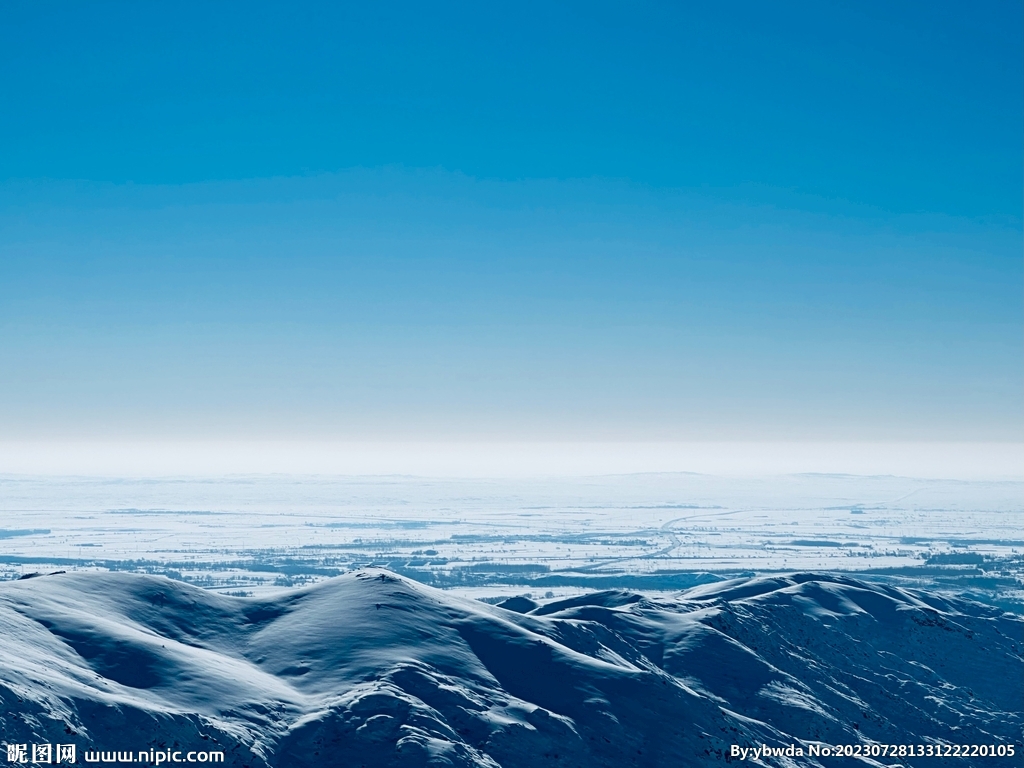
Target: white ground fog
(658, 619)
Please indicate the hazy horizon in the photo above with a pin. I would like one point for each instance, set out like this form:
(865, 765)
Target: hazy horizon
(935, 460)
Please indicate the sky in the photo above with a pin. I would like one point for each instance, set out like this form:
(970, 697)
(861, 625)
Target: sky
(652, 222)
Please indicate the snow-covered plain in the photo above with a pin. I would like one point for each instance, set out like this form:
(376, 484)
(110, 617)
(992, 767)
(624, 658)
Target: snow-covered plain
(657, 619)
(501, 537)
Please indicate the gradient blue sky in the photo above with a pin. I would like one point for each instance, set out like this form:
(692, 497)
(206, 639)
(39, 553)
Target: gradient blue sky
(728, 221)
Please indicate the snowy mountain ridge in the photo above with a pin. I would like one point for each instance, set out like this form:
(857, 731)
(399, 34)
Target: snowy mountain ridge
(373, 669)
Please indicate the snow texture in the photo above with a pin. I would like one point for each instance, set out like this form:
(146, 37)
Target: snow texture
(372, 669)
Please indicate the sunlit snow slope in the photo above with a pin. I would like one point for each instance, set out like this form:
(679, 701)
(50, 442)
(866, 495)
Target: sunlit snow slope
(372, 669)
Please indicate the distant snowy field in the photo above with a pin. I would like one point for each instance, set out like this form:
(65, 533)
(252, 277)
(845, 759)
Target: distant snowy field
(493, 538)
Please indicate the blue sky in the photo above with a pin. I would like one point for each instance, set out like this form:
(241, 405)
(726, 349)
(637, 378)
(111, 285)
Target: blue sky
(610, 222)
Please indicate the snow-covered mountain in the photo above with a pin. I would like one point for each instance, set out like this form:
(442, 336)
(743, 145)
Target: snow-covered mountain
(373, 669)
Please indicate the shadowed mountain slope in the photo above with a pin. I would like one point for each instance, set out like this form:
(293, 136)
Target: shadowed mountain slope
(372, 669)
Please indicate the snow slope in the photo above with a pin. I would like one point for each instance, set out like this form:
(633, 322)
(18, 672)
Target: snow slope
(376, 670)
